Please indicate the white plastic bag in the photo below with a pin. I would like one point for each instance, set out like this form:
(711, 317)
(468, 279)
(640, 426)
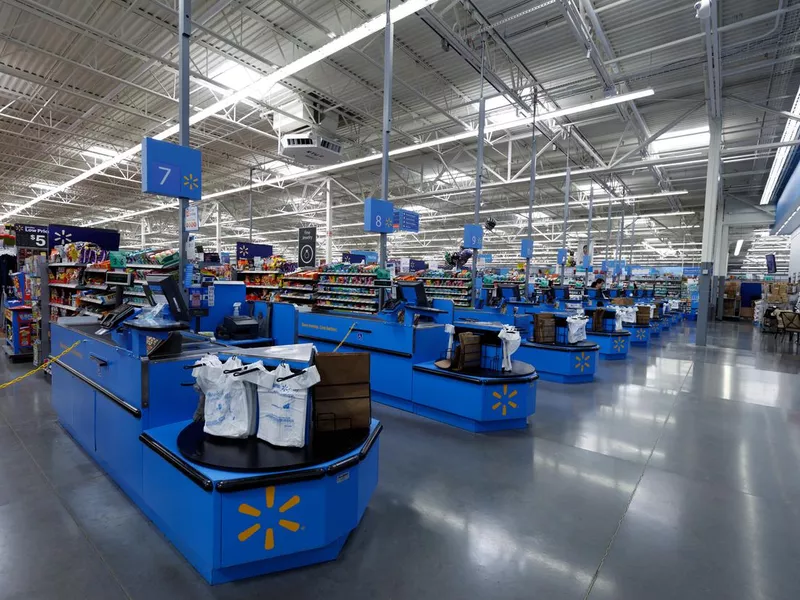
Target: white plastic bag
(618, 321)
(576, 329)
(227, 410)
(283, 405)
(511, 342)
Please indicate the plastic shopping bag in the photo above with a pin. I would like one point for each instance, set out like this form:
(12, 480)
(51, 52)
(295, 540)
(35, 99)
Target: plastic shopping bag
(576, 329)
(511, 342)
(618, 321)
(283, 404)
(227, 411)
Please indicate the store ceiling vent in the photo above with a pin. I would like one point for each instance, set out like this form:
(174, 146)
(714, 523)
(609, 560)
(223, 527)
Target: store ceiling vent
(310, 148)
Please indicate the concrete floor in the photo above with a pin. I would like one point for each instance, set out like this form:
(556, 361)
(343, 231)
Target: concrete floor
(675, 475)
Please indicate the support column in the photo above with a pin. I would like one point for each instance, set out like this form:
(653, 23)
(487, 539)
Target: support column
(709, 226)
(219, 228)
(184, 36)
(720, 264)
(250, 205)
(388, 65)
(531, 197)
(567, 185)
(328, 230)
(143, 226)
(479, 176)
(589, 234)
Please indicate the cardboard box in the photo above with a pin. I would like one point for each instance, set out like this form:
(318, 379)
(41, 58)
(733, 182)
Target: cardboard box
(342, 398)
(622, 301)
(746, 313)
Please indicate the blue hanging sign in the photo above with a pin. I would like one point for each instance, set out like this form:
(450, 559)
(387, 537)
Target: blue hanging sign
(59, 235)
(417, 265)
(526, 249)
(691, 271)
(406, 220)
(378, 216)
(473, 236)
(487, 258)
(246, 250)
(171, 170)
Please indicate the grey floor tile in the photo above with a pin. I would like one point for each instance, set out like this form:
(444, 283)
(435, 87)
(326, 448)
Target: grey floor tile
(692, 540)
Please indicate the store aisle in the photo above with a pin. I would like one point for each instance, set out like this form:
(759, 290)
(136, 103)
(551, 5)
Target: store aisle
(674, 475)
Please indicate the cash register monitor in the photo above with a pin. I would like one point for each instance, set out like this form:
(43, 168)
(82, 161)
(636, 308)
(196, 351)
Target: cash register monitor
(166, 289)
(413, 293)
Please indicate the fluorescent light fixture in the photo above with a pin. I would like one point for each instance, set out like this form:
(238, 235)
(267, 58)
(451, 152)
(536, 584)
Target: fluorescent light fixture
(256, 89)
(789, 134)
(331, 35)
(738, 248)
(672, 141)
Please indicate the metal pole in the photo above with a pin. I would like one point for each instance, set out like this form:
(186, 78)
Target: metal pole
(219, 228)
(388, 65)
(633, 228)
(618, 253)
(479, 174)
(328, 216)
(144, 233)
(608, 228)
(589, 233)
(709, 227)
(531, 195)
(184, 36)
(567, 185)
(250, 204)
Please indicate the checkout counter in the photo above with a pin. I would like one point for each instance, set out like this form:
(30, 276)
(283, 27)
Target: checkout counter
(406, 341)
(126, 395)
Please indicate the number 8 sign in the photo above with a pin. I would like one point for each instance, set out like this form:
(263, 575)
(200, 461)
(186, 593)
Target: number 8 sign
(378, 216)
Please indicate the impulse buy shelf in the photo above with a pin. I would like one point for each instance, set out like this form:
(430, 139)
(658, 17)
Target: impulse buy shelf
(457, 289)
(355, 292)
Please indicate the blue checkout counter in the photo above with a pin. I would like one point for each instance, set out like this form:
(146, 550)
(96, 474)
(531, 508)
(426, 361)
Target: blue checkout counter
(127, 398)
(404, 342)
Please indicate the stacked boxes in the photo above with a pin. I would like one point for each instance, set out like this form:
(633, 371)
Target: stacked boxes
(597, 319)
(544, 328)
(643, 315)
(775, 292)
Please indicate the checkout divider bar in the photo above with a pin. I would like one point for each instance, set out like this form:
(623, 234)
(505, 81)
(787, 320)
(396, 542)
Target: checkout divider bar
(110, 395)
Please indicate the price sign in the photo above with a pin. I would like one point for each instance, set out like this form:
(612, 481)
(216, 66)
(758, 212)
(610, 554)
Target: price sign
(171, 170)
(378, 216)
(31, 236)
(406, 220)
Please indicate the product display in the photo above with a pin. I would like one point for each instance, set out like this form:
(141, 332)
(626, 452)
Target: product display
(349, 287)
(452, 286)
(299, 287)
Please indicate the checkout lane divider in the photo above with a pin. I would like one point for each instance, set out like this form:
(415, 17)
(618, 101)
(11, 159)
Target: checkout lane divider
(44, 365)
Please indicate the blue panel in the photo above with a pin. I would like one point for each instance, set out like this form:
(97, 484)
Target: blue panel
(272, 521)
(181, 402)
(284, 323)
(119, 450)
(83, 420)
(58, 235)
(562, 256)
(372, 333)
(526, 250)
(473, 236)
(246, 250)
(171, 170)
(64, 386)
(378, 216)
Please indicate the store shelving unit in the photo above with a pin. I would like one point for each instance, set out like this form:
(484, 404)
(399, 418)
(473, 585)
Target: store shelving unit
(355, 292)
(261, 282)
(299, 287)
(455, 288)
(134, 294)
(64, 282)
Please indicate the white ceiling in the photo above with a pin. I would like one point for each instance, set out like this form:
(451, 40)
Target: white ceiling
(82, 80)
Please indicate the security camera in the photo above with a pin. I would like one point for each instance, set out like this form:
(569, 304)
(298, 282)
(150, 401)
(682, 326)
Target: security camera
(703, 9)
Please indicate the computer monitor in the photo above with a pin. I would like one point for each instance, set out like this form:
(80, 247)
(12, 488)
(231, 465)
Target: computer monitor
(562, 293)
(412, 293)
(507, 291)
(166, 289)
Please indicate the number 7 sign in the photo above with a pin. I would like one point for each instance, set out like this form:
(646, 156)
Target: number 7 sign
(171, 170)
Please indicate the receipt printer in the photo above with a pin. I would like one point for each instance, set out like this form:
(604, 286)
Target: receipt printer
(238, 328)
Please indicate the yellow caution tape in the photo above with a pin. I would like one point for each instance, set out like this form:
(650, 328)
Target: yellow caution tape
(40, 367)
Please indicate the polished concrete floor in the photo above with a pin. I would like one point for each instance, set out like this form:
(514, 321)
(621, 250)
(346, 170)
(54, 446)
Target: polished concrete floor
(675, 475)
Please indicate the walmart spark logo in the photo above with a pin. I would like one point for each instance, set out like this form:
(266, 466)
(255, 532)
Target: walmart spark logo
(269, 536)
(619, 344)
(504, 400)
(582, 362)
(191, 182)
(641, 334)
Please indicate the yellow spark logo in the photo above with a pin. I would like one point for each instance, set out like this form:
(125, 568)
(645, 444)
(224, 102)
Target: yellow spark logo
(619, 344)
(191, 181)
(269, 536)
(641, 334)
(582, 362)
(504, 403)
